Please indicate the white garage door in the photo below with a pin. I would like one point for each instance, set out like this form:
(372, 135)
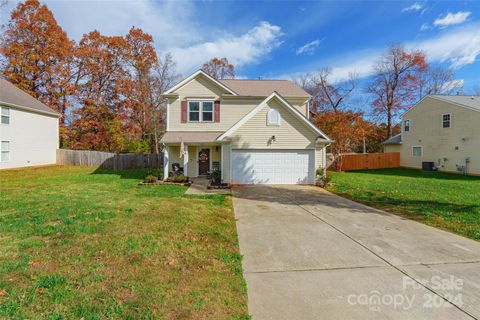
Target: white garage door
(273, 166)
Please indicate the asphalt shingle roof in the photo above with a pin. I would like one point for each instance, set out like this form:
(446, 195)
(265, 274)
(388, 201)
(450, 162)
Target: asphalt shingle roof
(263, 88)
(10, 94)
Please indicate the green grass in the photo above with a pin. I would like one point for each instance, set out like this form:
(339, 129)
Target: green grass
(443, 200)
(76, 242)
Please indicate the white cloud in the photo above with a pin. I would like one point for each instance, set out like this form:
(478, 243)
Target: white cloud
(457, 48)
(174, 25)
(452, 19)
(414, 7)
(239, 50)
(425, 27)
(454, 84)
(308, 48)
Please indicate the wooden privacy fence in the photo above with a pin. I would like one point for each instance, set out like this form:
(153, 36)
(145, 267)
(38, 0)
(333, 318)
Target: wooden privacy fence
(115, 161)
(369, 161)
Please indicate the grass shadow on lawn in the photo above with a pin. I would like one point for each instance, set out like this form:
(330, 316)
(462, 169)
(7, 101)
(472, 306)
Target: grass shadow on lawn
(443, 200)
(416, 173)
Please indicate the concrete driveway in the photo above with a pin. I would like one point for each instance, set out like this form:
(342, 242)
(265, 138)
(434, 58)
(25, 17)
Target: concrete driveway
(309, 254)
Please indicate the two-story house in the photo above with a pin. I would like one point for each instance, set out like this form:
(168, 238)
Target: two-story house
(253, 131)
(443, 130)
(28, 129)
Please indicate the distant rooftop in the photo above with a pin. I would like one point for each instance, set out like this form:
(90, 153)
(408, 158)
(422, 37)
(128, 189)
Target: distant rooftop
(10, 94)
(468, 101)
(394, 140)
(263, 88)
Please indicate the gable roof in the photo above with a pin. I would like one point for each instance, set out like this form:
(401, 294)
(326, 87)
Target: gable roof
(394, 140)
(472, 102)
(12, 96)
(469, 102)
(262, 105)
(193, 76)
(263, 88)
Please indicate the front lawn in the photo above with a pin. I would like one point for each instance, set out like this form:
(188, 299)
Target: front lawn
(443, 200)
(76, 243)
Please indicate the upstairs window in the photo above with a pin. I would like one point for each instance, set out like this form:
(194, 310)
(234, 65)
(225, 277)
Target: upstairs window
(446, 120)
(5, 113)
(5, 151)
(406, 125)
(193, 111)
(207, 111)
(200, 111)
(273, 117)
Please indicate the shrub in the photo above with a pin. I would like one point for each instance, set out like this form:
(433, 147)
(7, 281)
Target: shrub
(150, 179)
(216, 176)
(323, 178)
(179, 178)
(157, 172)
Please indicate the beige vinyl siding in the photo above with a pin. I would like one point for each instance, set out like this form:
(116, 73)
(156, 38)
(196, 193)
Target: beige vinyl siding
(439, 143)
(320, 156)
(231, 109)
(200, 87)
(174, 157)
(226, 162)
(230, 113)
(392, 148)
(291, 134)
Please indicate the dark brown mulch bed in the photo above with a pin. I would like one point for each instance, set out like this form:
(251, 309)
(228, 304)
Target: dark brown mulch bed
(218, 185)
(160, 183)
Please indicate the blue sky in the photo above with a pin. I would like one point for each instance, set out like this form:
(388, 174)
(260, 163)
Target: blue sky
(283, 39)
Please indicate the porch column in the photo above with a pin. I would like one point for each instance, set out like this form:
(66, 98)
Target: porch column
(185, 161)
(221, 162)
(166, 163)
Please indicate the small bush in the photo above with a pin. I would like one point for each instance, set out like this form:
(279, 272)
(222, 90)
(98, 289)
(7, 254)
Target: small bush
(157, 172)
(179, 178)
(323, 178)
(150, 179)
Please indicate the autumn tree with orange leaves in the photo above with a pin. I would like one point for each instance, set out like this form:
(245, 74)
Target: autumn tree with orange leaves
(38, 56)
(219, 68)
(107, 88)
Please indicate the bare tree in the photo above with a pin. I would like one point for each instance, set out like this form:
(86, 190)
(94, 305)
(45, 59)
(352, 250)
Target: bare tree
(164, 76)
(438, 80)
(326, 95)
(394, 83)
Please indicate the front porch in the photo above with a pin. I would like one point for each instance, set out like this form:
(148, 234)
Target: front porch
(198, 161)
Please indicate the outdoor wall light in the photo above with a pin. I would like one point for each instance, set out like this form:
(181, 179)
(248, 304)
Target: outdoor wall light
(273, 139)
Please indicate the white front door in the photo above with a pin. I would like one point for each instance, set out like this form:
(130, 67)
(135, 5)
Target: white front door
(273, 166)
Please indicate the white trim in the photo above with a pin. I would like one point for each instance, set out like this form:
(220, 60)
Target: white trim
(279, 118)
(185, 160)
(42, 112)
(166, 163)
(449, 120)
(168, 115)
(194, 75)
(262, 104)
(8, 152)
(221, 162)
(200, 110)
(421, 151)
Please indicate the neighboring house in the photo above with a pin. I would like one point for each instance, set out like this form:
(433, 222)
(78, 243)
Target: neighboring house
(253, 131)
(28, 129)
(441, 129)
